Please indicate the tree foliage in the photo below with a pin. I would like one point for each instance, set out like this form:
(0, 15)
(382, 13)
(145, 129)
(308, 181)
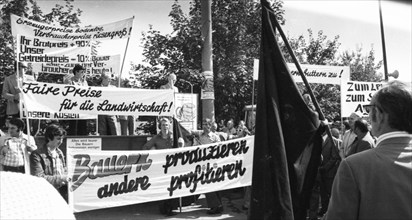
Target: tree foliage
(236, 41)
(320, 50)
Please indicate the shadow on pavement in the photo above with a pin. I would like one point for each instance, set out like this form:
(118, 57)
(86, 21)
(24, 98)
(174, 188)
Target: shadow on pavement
(232, 202)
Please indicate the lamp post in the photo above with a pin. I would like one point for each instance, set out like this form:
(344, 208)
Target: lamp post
(191, 85)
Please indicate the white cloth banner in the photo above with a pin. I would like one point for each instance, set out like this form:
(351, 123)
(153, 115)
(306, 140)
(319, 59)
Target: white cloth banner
(320, 73)
(47, 97)
(354, 95)
(115, 178)
(116, 30)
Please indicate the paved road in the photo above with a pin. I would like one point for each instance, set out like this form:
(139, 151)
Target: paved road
(232, 201)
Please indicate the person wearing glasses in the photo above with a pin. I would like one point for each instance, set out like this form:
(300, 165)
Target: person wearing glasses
(15, 149)
(376, 184)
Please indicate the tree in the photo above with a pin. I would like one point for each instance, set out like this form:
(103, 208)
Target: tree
(236, 41)
(318, 50)
(362, 67)
(324, 51)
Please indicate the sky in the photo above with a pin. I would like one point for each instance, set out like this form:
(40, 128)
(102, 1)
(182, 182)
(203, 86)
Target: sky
(356, 22)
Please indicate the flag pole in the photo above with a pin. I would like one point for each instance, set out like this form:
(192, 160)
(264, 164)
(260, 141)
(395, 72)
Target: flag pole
(305, 81)
(385, 63)
(124, 58)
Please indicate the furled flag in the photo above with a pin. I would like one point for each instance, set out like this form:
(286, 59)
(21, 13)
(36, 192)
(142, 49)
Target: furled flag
(287, 138)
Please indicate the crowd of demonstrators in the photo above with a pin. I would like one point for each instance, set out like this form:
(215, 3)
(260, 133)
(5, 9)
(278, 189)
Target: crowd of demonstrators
(376, 183)
(18, 151)
(332, 155)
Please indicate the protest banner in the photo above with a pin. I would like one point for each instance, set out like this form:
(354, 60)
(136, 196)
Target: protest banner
(354, 95)
(47, 97)
(186, 110)
(103, 179)
(116, 30)
(320, 73)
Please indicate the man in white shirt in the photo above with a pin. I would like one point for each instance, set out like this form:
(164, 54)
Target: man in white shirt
(171, 80)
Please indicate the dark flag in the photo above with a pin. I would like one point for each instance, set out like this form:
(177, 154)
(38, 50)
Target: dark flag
(180, 132)
(287, 140)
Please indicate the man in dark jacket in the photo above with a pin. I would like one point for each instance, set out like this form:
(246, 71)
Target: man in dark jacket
(328, 168)
(48, 162)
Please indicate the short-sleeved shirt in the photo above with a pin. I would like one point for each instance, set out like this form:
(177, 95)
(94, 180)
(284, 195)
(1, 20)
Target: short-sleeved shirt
(159, 142)
(15, 155)
(208, 138)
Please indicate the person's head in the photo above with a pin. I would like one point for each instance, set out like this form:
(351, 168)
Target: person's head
(172, 79)
(105, 79)
(54, 135)
(207, 125)
(345, 125)
(164, 125)
(214, 127)
(391, 109)
(16, 126)
(230, 124)
(352, 118)
(22, 67)
(361, 126)
(241, 124)
(307, 99)
(335, 132)
(79, 70)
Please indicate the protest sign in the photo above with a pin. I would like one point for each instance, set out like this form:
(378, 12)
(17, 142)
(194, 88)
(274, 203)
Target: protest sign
(38, 50)
(84, 144)
(110, 65)
(116, 30)
(320, 73)
(186, 110)
(354, 95)
(116, 178)
(47, 97)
